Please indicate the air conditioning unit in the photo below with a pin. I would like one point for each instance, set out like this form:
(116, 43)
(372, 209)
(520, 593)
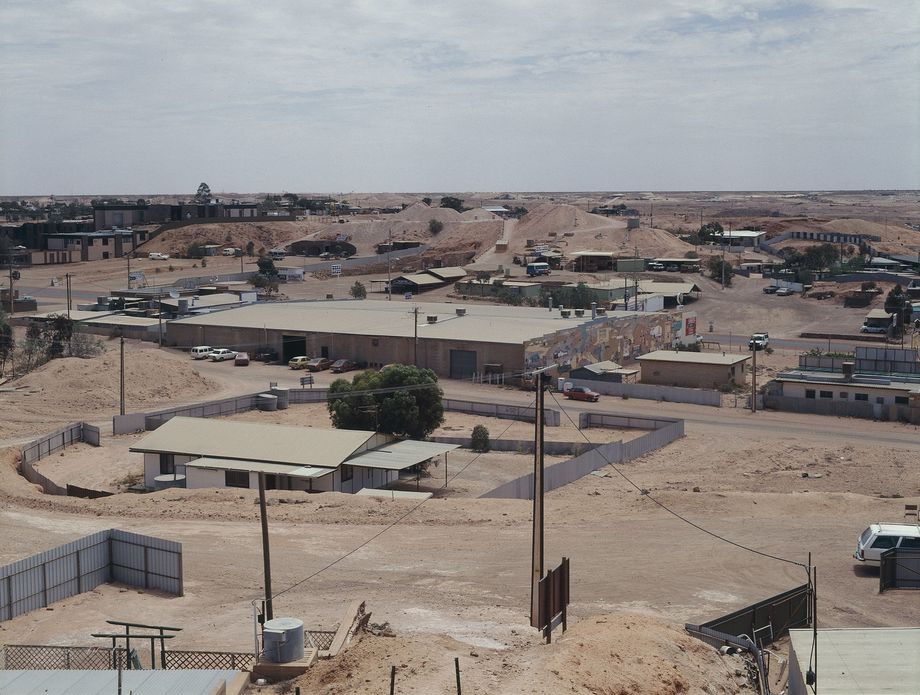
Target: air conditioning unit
(432, 318)
(461, 311)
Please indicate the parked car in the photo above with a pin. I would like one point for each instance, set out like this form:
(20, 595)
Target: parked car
(784, 292)
(865, 328)
(878, 538)
(241, 359)
(157, 256)
(340, 366)
(770, 289)
(582, 393)
(655, 266)
(298, 362)
(759, 341)
(265, 355)
(318, 364)
(201, 352)
(673, 268)
(221, 354)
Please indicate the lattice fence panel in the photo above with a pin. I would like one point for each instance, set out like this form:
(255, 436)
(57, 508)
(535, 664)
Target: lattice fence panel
(320, 639)
(178, 659)
(32, 657)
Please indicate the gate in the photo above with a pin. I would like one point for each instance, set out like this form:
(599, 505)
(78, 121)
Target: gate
(899, 569)
(293, 346)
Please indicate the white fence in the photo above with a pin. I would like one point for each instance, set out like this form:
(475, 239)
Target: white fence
(112, 555)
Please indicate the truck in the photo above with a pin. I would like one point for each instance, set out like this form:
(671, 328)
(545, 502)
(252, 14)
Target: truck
(759, 341)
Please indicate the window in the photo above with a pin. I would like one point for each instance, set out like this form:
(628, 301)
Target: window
(167, 464)
(885, 542)
(844, 395)
(880, 400)
(347, 473)
(861, 396)
(901, 400)
(105, 241)
(910, 543)
(827, 394)
(809, 393)
(236, 478)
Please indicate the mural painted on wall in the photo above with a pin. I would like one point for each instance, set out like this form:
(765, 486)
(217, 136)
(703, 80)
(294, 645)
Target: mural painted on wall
(607, 338)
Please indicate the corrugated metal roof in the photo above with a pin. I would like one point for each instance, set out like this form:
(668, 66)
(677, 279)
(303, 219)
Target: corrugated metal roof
(878, 314)
(205, 300)
(259, 467)
(693, 357)
(400, 455)
(667, 288)
(601, 367)
(248, 441)
(159, 682)
(483, 323)
(449, 273)
(419, 279)
(605, 254)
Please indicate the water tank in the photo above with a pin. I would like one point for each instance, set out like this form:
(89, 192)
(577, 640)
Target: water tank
(432, 318)
(266, 401)
(167, 480)
(461, 311)
(282, 640)
(283, 394)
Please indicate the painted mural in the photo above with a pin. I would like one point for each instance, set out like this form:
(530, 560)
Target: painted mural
(621, 339)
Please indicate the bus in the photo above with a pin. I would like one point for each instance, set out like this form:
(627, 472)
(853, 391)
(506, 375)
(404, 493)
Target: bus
(534, 269)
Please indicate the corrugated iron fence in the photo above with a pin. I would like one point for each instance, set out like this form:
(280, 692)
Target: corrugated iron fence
(47, 445)
(770, 619)
(111, 555)
(899, 569)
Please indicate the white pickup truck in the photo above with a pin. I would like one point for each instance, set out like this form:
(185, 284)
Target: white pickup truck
(759, 341)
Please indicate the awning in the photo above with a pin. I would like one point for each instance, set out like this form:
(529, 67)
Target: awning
(400, 455)
(259, 467)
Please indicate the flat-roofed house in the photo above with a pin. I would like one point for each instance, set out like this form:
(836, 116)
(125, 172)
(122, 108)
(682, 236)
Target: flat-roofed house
(705, 370)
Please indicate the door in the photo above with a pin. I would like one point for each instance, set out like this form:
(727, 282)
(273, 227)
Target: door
(462, 364)
(293, 346)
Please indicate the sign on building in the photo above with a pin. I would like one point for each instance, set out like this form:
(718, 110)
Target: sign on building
(335, 269)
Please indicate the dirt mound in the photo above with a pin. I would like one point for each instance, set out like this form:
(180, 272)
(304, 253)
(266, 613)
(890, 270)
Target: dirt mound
(69, 389)
(265, 235)
(894, 238)
(615, 654)
(478, 214)
(422, 213)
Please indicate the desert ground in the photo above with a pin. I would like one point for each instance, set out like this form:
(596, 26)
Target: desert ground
(451, 575)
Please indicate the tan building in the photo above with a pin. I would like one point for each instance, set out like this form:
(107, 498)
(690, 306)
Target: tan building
(704, 370)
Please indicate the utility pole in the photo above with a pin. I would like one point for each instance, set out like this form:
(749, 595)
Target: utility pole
(128, 256)
(754, 382)
(160, 316)
(415, 343)
(537, 548)
(389, 248)
(121, 409)
(67, 277)
(9, 260)
(266, 556)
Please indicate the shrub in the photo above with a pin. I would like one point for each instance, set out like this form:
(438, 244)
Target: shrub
(480, 438)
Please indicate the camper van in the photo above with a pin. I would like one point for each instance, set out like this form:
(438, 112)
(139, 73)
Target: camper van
(231, 251)
(277, 254)
(534, 269)
(878, 538)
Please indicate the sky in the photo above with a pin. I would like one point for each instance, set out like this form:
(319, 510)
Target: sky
(125, 96)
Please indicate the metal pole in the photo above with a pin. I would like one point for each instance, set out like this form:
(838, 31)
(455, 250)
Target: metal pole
(392, 680)
(128, 256)
(9, 259)
(754, 382)
(160, 316)
(266, 556)
(69, 295)
(122, 390)
(415, 344)
(389, 248)
(457, 671)
(537, 549)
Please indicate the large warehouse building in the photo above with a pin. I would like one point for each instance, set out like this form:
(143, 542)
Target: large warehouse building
(455, 341)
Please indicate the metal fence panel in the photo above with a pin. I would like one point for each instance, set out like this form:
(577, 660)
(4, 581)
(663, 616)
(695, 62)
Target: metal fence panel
(899, 569)
(30, 657)
(779, 613)
(654, 392)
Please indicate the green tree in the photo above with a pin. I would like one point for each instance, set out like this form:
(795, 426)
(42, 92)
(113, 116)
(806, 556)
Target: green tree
(358, 290)
(711, 229)
(480, 438)
(427, 201)
(435, 226)
(266, 266)
(195, 250)
(720, 270)
(262, 282)
(896, 303)
(6, 342)
(449, 201)
(250, 248)
(411, 409)
(204, 193)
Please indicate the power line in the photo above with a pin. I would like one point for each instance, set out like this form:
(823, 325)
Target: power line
(671, 511)
(386, 528)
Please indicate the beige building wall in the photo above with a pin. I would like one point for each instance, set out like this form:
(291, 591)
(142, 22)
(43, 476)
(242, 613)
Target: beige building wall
(698, 376)
(846, 392)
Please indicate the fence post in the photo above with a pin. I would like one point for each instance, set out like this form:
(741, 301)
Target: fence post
(392, 680)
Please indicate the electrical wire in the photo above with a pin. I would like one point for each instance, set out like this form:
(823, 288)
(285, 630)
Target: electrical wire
(386, 528)
(671, 511)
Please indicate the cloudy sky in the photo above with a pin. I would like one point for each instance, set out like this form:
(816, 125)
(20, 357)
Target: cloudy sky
(133, 96)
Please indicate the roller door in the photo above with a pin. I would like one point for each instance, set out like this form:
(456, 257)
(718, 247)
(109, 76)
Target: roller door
(462, 364)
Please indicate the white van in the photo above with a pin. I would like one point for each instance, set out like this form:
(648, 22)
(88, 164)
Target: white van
(230, 251)
(878, 538)
(201, 352)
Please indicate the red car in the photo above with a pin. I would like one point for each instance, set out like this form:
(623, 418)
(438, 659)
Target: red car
(582, 393)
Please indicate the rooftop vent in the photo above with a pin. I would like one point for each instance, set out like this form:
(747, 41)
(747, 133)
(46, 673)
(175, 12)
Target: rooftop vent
(432, 318)
(461, 311)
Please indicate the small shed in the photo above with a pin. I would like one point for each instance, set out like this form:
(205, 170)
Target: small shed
(708, 370)
(607, 371)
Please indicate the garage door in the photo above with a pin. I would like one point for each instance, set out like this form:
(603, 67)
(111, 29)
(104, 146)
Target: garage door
(462, 364)
(293, 346)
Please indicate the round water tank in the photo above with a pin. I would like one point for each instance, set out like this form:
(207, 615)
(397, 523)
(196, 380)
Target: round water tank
(283, 394)
(266, 401)
(282, 640)
(166, 480)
